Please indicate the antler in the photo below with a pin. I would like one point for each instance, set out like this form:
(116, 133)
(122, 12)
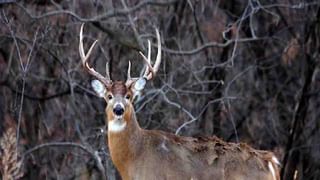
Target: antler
(150, 71)
(84, 57)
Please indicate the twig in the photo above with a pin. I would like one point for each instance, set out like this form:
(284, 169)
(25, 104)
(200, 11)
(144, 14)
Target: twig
(203, 110)
(228, 102)
(133, 27)
(209, 45)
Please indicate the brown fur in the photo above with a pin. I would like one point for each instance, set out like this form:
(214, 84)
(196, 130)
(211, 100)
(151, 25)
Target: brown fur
(118, 87)
(156, 155)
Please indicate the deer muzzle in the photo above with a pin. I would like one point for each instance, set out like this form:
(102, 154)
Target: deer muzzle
(118, 109)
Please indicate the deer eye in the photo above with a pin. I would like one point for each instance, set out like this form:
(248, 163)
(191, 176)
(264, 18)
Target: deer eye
(128, 96)
(110, 96)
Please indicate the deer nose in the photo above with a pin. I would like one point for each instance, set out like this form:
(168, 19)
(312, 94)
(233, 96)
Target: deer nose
(118, 110)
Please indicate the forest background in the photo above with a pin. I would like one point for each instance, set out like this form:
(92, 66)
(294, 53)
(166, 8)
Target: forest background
(245, 71)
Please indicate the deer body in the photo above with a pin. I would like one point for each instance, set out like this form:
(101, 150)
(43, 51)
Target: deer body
(148, 154)
(140, 154)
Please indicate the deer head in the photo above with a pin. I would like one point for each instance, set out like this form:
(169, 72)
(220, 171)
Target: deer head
(119, 95)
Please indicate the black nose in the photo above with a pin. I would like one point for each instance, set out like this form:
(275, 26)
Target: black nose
(118, 110)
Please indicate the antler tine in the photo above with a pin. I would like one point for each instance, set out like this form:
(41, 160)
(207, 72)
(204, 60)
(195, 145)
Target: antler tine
(148, 61)
(130, 80)
(151, 71)
(84, 57)
(107, 72)
(158, 58)
(129, 71)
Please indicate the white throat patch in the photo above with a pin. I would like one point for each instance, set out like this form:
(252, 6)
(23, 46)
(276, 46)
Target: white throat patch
(116, 125)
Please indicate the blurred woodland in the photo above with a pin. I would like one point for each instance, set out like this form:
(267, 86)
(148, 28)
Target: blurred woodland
(241, 70)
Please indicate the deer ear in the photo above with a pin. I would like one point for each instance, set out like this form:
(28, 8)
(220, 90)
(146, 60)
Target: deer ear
(99, 88)
(138, 86)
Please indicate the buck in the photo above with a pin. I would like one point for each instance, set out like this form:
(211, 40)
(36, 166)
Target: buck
(140, 154)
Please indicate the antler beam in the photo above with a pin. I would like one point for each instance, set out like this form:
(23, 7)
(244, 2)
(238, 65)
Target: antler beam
(84, 58)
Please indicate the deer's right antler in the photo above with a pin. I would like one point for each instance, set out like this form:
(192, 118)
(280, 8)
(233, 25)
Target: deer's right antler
(84, 58)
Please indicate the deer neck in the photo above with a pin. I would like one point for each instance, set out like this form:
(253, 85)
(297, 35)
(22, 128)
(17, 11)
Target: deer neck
(124, 145)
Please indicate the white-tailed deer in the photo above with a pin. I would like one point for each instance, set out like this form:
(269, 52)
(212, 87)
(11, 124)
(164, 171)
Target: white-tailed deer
(156, 155)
